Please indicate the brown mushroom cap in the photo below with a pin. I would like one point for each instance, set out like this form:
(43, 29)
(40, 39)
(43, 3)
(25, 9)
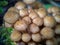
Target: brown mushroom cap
(20, 5)
(31, 43)
(36, 37)
(13, 9)
(16, 36)
(38, 21)
(49, 21)
(26, 37)
(57, 18)
(42, 12)
(57, 29)
(34, 28)
(29, 1)
(20, 25)
(23, 12)
(11, 17)
(47, 32)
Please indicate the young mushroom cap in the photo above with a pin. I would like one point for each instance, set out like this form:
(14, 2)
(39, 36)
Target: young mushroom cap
(27, 19)
(57, 18)
(26, 37)
(11, 17)
(31, 43)
(16, 36)
(49, 21)
(42, 12)
(23, 12)
(34, 28)
(38, 21)
(33, 15)
(29, 1)
(47, 32)
(13, 9)
(57, 29)
(36, 37)
(55, 9)
(20, 25)
(20, 5)
(7, 24)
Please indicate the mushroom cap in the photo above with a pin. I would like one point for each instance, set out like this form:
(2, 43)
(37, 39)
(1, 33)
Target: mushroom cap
(13, 9)
(16, 36)
(57, 18)
(27, 19)
(31, 43)
(11, 17)
(41, 12)
(36, 37)
(8, 24)
(34, 28)
(26, 37)
(29, 1)
(20, 5)
(20, 25)
(38, 21)
(47, 32)
(49, 21)
(23, 12)
(57, 29)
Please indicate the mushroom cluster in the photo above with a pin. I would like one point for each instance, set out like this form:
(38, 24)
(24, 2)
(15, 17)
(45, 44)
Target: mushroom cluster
(33, 25)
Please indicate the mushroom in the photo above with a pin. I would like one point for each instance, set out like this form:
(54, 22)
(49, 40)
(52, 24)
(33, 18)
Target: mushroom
(13, 9)
(27, 19)
(47, 33)
(8, 24)
(55, 9)
(16, 36)
(20, 25)
(49, 21)
(29, 1)
(20, 43)
(34, 28)
(33, 14)
(26, 37)
(38, 21)
(57, 18)
(31, 43)
(57, 29)
(11, 17)
(23, 12)
(36, 37)
(52, 41)
(20, 5)
(41, 12)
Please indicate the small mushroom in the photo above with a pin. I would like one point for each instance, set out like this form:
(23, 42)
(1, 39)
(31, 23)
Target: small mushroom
(34, 28)
(49, 21)
(13, 9)
(29, 1)
(27, 19)
(11, 17)
(42, 12)
(26, 37)
(31, 43)
(33, 15)
(20, 5)
(20, 25)
(8, 24)
(20, 43)
(38, 21)
(16, 36)
(57, 29)
(36, 37)
(47, 32)
(57, 18)
(23, 12)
